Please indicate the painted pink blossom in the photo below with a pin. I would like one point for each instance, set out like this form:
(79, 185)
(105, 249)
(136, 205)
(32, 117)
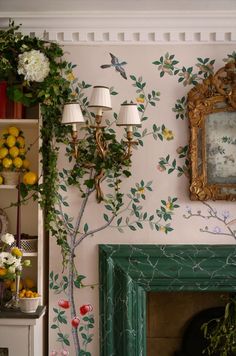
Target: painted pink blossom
(53, 353)
(64, 353)
(160, 168)
(86, 308)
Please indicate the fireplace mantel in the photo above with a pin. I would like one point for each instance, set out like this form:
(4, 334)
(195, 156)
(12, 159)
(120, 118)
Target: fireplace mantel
(128, 272)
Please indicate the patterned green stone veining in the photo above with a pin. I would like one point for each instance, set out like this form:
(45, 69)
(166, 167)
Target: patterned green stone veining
(127, 272)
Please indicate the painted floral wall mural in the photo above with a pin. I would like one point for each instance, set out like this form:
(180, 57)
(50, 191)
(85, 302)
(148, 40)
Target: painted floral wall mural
(155, 204)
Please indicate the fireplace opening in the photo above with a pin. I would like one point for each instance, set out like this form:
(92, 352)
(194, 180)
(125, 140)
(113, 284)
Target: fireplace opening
(173, 319)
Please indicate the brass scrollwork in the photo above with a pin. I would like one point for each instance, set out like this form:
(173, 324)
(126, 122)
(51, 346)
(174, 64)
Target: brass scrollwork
(216, 94)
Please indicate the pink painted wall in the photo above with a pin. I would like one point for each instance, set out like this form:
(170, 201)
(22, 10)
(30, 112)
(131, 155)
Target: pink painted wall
(188, 220)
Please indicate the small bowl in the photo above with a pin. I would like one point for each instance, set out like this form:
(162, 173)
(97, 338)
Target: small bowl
(29, 305)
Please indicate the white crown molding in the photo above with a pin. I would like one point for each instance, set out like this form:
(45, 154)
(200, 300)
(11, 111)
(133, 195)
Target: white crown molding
(138, 27)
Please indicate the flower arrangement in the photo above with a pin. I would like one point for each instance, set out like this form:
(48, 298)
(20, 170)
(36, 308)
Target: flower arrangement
(11, 263)
(31, 67)
(13, 155)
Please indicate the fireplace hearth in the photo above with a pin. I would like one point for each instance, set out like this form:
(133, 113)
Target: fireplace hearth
(128, 272)
(174, 321)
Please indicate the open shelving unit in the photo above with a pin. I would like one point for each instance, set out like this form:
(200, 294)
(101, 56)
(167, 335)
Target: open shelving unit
(31, 213)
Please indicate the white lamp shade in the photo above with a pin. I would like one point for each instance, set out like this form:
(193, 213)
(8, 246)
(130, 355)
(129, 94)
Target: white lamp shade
(100, 98)
(72, 114)
(128, 115)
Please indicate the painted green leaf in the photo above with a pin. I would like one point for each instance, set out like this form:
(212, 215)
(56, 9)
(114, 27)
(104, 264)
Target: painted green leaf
(86, 228)
(54, 326)
(78, 281)
(105, 216)
(119, 221)
(63, 187)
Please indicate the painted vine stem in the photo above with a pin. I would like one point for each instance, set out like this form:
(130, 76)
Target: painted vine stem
(70, 236)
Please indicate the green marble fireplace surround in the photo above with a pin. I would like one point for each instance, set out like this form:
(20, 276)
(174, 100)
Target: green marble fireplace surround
(128, 272)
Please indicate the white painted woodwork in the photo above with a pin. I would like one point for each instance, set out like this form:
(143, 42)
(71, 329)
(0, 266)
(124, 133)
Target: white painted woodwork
(202, 24)
(22, 337)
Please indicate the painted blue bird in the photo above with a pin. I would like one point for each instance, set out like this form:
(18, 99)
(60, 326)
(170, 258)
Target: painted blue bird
(117, 65)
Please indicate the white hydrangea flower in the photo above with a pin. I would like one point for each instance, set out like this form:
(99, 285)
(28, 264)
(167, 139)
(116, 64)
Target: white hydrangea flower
(8, 239)
(34, 65)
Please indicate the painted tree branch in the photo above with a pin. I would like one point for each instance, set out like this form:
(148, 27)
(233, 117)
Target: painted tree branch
(91, 232)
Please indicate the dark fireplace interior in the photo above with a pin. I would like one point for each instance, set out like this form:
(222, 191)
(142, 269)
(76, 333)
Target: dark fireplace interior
(173, 319)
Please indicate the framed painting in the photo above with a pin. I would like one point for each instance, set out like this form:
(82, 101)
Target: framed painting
(212, 117)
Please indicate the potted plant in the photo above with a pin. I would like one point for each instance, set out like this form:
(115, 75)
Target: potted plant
(220, 333)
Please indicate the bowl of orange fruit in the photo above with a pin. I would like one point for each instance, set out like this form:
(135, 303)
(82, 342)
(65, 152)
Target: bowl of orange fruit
(28, 301)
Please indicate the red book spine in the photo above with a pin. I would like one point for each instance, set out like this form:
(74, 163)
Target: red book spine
(3, 99)
(18, 110)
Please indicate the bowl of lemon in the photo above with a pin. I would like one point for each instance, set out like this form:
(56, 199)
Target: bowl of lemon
(13, 160)
(28, 301)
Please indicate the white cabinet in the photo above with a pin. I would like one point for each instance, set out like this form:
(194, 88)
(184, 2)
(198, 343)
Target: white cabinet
(21, 336)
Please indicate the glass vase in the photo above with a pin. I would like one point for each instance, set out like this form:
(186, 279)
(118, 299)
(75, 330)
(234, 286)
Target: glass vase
(14, 302)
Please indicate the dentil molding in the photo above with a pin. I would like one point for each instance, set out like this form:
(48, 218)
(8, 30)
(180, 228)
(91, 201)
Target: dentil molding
(136, 27)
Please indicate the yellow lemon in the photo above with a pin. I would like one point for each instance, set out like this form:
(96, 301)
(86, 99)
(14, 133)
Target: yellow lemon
(29, 294)
(11, 141)
(29, 283)
(1, 180)
(2, 141)
(22, 151)
(3, 152)
(4, 132)
(18, 162)
(26, 163)
(14, 151)
(7, 162)
(30, 178)
(21, 141)
(13, 286)
(14, 131)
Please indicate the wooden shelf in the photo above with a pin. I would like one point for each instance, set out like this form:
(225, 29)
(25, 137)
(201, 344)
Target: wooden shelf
(30, 254)
(19, 122)
(7, 186)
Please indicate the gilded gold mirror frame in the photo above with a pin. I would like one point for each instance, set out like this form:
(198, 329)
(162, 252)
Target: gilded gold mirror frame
(212, 117)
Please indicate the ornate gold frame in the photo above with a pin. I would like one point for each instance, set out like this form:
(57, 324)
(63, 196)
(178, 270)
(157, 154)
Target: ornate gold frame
(216, 94)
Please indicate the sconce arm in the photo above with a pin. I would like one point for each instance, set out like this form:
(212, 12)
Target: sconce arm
(129, 143)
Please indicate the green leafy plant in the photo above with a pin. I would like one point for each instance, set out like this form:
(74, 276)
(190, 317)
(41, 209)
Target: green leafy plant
(220, 333)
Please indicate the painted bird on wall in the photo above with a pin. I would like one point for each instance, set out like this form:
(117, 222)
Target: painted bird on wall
(117, 65)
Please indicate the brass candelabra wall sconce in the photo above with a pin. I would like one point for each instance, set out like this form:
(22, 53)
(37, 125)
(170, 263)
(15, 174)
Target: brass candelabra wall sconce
(100, 101)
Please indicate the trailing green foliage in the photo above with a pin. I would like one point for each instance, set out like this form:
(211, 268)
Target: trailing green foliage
(221, 332)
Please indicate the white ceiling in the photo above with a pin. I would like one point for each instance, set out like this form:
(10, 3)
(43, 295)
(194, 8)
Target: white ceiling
(7, 6)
